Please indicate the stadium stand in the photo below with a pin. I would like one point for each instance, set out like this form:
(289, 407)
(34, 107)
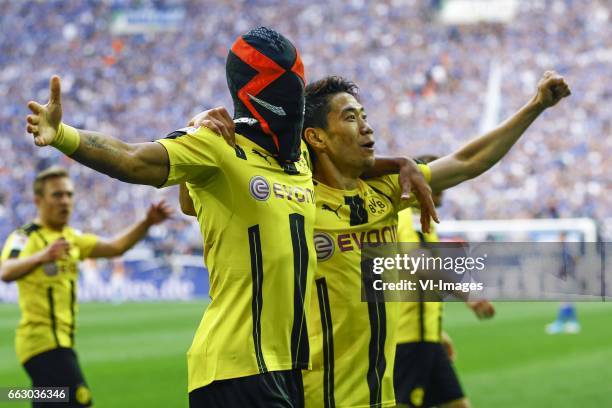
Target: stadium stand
(422, 81)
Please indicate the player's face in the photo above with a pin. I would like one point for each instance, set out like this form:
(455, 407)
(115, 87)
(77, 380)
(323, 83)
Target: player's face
(350, 138)
(55, 204)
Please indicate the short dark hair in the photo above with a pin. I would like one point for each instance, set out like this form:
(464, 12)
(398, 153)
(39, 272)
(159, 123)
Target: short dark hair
(52, 172)
(319, 93)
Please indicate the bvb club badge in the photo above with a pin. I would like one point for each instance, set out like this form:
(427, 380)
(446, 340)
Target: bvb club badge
(50, 269)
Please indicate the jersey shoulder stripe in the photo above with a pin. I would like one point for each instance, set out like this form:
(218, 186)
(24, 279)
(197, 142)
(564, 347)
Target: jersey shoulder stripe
(381, 193)
(29, 228)
(180, 132)
(18, 240)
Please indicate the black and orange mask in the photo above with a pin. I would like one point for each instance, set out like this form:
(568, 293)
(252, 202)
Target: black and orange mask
(265, 76)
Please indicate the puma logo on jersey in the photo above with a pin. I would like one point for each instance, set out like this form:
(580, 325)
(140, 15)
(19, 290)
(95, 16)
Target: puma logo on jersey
(328, 208)
(277, 110)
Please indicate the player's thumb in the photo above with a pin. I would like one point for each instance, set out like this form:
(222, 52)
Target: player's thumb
(55, 91)
(406, 189)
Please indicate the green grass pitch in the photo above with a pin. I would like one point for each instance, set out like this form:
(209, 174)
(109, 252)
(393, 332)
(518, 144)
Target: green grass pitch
(133, 354)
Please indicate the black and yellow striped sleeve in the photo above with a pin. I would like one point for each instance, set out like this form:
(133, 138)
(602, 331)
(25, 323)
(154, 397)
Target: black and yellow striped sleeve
(15, 244)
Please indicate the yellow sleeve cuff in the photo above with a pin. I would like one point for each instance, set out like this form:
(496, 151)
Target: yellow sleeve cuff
(67, 139)
(426, 171)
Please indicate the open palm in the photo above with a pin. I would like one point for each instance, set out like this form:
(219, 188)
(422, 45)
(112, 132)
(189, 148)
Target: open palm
(45, 119)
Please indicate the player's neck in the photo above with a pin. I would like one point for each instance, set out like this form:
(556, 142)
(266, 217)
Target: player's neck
(256, 136)
(43, 222)
(329, 174)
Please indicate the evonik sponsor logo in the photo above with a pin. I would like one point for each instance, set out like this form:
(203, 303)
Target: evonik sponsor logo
(355, 240)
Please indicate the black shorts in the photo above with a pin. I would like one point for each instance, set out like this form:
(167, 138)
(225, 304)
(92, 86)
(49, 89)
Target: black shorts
(424, 375)
(276, 389)
(59, 368)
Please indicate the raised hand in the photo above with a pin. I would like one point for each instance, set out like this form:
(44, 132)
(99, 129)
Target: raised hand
(45, 119)
(551, 89)
(158, 213)
(411, 179)
(448, 345)
(483, 309)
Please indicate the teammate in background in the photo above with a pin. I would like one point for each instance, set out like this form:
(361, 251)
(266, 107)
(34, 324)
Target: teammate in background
(252, 342)
(567, 320)
(353, 342)
(424, 375)
(43, 258)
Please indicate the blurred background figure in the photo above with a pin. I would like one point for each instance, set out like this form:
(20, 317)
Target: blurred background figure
(566, 322)
(43, 257)
(425, 375)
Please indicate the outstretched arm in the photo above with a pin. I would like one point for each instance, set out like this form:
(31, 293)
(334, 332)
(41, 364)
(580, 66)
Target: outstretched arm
(15, 268)
(139, 163)
(482, 153)
(156, 214)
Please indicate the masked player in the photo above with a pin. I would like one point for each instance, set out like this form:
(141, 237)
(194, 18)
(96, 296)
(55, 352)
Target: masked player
(252, 341)
(43, 258)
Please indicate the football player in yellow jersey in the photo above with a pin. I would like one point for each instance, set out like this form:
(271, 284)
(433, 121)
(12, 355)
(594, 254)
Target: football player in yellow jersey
(353, 343)
(423, 373)
(42, 257)
(252, 342)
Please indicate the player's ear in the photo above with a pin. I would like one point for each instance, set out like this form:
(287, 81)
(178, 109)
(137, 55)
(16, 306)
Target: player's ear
(315, 137)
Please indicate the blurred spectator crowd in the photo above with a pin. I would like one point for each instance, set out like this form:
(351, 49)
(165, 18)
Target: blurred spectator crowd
(425, 86)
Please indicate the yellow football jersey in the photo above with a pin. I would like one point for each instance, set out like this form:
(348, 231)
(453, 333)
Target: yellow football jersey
(353, 342)
(418, 321)
(259, 251)
(47, 295)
